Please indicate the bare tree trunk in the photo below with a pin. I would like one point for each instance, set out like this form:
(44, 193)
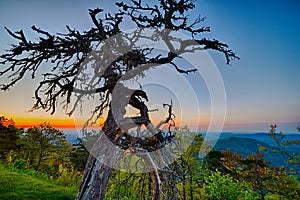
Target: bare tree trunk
(98, 168)
(155, 186)
(94, 181)
(96, 173)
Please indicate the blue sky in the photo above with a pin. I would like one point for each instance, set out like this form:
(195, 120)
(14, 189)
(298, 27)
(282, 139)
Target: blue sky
(262, 88)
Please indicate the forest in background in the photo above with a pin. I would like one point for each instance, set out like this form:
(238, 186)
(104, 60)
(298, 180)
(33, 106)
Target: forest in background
(43, 151)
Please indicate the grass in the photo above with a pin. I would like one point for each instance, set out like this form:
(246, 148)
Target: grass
(19, 186)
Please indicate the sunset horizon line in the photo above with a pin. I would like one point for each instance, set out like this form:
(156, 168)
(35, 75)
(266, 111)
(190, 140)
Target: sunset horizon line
(228, 126)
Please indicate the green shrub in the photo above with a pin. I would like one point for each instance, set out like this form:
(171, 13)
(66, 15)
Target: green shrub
(68, 176)
(20, 164)
(222, 187)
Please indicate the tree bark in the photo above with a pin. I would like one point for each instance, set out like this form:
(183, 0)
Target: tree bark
(155, 186)
(94, 181)
(98, 168)
(101, 160)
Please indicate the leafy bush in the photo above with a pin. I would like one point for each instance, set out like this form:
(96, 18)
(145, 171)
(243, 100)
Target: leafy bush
(20, 164)
(68, 177)
(222, 187)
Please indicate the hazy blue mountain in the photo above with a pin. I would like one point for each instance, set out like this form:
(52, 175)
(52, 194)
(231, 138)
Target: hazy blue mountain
(243, 143)
(246, 146)
(262, 137)
(71, 135)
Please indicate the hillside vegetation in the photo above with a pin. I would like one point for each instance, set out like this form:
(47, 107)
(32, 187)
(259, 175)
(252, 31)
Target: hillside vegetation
(246, 146)
(39, 163)
(18, 185)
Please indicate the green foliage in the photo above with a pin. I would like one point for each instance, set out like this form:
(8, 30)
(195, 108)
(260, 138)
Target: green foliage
(285, 187)
(20, 164)
(124, 185)
(222, 187)
(293, 159)
(45, 149)
(42, 148)
(9, 135)
(58, 163)
(79, 156)
(190, 169)
(264, 180)
(213, 162)
(19, 185)
(68, 176)
(241, 177)
(39, 142)
(181, 179)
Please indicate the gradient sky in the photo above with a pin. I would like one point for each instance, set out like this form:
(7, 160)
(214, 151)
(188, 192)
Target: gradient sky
(262, 88)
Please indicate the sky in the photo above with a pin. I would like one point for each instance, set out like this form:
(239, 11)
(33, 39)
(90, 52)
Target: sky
(262, 88)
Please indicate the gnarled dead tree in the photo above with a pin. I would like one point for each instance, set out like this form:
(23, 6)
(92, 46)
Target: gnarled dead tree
(96, 62)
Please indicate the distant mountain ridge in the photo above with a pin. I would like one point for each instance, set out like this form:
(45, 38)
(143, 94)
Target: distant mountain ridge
(246, 146)
(243, 143)
(262, 137)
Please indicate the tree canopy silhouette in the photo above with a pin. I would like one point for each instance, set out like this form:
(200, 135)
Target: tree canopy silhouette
(68, 81)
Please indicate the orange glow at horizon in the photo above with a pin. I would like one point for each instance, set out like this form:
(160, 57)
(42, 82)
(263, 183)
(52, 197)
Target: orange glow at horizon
(70, 123)
(201, 125)
(57, 123)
